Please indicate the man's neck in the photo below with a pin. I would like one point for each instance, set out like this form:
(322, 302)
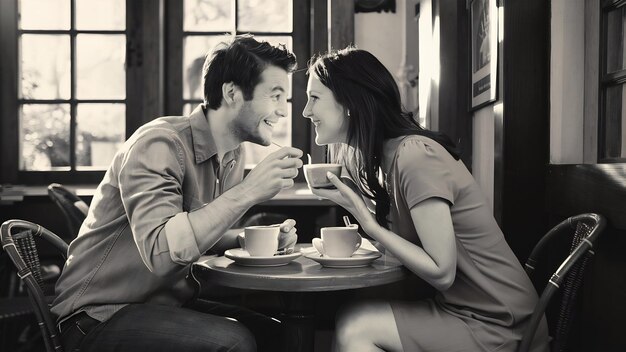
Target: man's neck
(224, 139)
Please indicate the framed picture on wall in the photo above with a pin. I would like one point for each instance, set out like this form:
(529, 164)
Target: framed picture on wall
(483, 33)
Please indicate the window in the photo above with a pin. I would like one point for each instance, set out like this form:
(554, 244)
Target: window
(70, 78)
(204, 23)
(612, 126)
(72, 87)
(77, 77)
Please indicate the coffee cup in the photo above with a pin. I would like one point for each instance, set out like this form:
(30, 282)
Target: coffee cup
(315, 174)
(338, 242)
(261, 241)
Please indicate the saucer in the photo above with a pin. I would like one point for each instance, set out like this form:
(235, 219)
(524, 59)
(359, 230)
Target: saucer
(242, 257)
(362, 257)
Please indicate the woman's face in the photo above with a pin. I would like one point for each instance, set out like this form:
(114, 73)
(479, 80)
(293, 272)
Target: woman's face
(325, 113)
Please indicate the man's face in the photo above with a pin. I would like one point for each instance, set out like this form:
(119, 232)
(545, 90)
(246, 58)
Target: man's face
(256, 119)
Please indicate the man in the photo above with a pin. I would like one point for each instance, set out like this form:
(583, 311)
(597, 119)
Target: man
(171, 193)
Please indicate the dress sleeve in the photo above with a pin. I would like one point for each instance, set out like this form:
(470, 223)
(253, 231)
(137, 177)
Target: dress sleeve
(424, 171)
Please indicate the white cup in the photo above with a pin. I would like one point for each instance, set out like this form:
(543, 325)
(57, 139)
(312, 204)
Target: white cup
(261, 241)
(338, 242)
(315, 174)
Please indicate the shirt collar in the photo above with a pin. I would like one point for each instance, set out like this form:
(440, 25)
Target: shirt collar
(203, 144)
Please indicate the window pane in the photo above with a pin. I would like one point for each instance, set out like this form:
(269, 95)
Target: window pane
(44, 14)
(265, 16)
(615, 40)
(44, 136)
(195, 49)
(101, 15)
(209, 16)
(100, 61)
(45, 66)
(282, 136)
(615, 122)
(100, 132)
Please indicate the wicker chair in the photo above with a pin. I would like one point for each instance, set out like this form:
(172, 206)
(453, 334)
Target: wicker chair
(74, 209)
(21, 248)
(569, 275)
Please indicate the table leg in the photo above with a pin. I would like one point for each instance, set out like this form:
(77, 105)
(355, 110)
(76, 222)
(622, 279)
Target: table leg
(298, 320)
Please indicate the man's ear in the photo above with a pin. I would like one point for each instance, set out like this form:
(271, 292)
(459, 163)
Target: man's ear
(230, 92)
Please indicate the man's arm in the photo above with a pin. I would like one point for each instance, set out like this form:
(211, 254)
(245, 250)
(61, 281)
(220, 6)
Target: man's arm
(271, 175)
(150, 181)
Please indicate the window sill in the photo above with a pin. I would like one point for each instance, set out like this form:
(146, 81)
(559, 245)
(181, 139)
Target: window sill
(298, 195)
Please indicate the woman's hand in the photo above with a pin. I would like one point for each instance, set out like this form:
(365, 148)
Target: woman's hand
(346, 197)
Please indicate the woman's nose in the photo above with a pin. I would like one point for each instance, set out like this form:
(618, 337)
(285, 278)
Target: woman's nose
(307, 111)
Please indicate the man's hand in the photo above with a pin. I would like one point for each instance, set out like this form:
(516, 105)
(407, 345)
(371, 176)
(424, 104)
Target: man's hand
(272, 174)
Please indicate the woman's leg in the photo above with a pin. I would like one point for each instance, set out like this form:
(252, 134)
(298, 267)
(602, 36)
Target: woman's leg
(367, 326)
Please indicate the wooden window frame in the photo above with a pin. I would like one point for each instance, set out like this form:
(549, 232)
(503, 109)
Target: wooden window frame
(144, 87)
(149, 91)
(607, 80)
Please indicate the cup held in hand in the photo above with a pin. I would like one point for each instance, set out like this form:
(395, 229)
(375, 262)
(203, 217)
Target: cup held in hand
(261, 241)
(338, 242)
(315, 174)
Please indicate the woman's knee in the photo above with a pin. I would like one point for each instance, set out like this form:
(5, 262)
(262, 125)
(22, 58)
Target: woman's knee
(353, 322)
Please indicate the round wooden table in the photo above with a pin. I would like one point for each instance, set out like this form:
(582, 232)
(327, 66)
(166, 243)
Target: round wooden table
(294, 281)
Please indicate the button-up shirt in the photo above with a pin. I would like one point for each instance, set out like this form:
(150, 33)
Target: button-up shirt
(137, 243)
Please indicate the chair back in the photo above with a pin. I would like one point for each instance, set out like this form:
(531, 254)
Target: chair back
(73, 208)
(17, 238)
(585, 229)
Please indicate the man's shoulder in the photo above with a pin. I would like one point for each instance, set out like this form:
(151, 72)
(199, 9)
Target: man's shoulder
(173, 123)
(168, 125)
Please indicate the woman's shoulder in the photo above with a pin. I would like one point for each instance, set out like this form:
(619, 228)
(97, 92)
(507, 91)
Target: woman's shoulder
(417, 146)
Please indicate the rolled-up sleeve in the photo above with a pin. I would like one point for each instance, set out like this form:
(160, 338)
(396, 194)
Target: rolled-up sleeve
(183, 249)
(151, 177)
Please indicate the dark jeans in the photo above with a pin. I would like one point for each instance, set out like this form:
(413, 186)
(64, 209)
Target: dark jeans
(199, 326)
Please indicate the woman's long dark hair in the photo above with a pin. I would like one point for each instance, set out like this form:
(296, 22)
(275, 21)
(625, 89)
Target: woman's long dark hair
(366, 89)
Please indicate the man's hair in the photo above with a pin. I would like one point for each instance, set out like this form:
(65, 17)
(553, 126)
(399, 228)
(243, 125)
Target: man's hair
(241, 61)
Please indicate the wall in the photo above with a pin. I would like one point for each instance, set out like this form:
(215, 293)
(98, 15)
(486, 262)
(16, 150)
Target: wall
(600, 188)
(373, 32)
(567, 81)
(575, 182)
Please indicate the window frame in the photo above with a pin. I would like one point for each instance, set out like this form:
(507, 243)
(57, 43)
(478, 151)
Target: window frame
(142, 87)
(606, 81)
(149, 92)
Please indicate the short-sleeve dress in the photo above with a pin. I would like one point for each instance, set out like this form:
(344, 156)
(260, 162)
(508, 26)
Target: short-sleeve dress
(490, 302)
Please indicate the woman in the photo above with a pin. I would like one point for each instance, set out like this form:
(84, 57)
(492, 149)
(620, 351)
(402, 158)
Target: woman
(429, 213)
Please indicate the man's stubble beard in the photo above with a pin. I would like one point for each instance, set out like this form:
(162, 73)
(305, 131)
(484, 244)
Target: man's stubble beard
(242, 128)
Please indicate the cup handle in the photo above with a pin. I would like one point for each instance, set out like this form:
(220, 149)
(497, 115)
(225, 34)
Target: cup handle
(319, 245)
(242, 240)
(358, 244)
